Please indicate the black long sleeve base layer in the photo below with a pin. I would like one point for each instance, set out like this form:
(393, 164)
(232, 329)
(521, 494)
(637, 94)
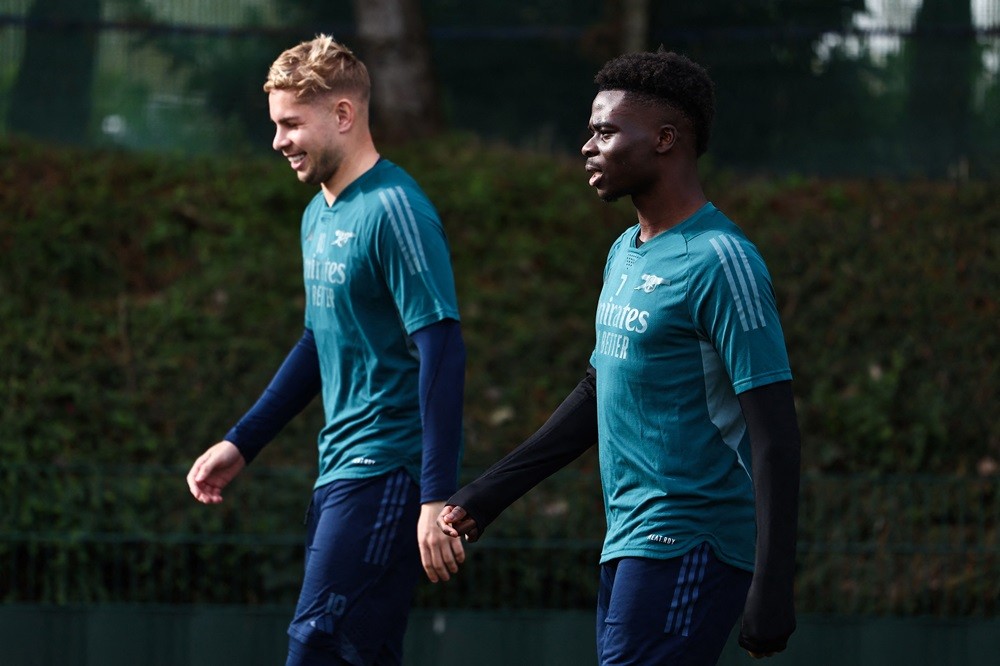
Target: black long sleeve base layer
(571, 430)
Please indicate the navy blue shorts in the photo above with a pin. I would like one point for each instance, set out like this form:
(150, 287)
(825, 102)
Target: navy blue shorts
(678, 611)
(362, 564)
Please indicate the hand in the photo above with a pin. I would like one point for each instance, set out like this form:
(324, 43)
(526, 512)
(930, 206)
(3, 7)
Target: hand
(768, 619)
(760, 655)
(455, 522)
(213, 471)
(439, 554)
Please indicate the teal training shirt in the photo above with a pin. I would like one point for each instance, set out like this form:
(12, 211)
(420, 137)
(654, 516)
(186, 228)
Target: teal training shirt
(377, 268)
(685, 322)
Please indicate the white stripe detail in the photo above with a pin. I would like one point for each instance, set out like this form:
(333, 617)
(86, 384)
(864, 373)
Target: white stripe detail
(741, 277)
(404, 226)
(732, 284)
(753, 285)
(397, 230)
(412, 219)
(746, 294)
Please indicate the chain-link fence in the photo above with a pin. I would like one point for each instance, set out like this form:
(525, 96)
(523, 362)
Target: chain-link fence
(862, 87)
(901, 546)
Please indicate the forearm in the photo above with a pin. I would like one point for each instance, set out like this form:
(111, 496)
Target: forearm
(571, 430)
(776, 451)
(441, 390)
(294, 385)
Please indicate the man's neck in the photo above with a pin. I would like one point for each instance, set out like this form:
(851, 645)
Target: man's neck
(352, 169)
(674, 197)
(657, 215)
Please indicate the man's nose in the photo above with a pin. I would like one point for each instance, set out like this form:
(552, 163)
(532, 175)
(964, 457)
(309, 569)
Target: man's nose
(280, 139)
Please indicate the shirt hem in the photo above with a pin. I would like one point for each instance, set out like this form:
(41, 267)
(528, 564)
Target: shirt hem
(427, 320)
(762, 380)
(676, 551)
(360, 473)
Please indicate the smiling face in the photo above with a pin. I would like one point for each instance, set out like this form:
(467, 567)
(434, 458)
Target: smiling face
(626, 139)
(308, 134)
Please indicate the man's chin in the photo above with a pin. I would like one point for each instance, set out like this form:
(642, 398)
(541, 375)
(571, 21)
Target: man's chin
(308, 177)
(607, 196)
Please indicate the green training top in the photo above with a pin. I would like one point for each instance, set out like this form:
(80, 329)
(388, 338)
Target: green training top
(376, 268)
(685, 322)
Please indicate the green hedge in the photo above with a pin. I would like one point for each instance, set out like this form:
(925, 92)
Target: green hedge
(146, 300)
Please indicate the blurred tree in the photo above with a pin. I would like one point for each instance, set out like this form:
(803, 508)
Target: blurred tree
(395, 46)
(51, 97)
(391, 37)
(621, 26)
(229, 73)
(760, 54)
(943, 63)
(635, 25)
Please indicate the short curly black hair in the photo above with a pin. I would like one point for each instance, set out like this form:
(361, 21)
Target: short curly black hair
(665, 76)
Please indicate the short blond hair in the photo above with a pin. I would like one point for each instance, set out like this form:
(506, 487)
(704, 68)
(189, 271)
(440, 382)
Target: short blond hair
(318, 67)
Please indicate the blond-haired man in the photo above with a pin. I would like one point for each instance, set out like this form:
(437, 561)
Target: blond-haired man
(383, 346)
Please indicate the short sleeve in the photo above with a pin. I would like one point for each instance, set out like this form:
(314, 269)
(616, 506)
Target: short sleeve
(413, 256)
(734, 308)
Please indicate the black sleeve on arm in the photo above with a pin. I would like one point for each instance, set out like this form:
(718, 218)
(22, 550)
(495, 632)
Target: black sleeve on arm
(294, 386)
(769, 614)
(571, 430)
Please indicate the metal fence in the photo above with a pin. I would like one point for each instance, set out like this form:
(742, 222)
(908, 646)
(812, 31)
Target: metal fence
(185, 75)
(900, 546)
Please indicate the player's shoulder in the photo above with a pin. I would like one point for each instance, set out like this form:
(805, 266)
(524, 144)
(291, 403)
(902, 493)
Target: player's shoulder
(386, 175)
(709, 229)
(389, 191)
(715, 243)
(706, 221)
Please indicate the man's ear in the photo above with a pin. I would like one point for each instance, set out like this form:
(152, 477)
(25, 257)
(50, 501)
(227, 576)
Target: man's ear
(666, 138)
(345, 114)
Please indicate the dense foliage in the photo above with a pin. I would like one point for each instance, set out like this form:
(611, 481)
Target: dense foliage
(145, 302)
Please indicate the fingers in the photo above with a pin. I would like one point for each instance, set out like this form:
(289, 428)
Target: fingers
(449, 514)
(207, 494)
(456, 522)
(441, 552)
(440, 556)
(427, 560)
(760, 655)
(212, 471)
(196, 481)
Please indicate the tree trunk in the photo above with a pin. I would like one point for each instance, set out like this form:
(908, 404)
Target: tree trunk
(635, 25)
(944, 64)
(51, 97)
(396, 49)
